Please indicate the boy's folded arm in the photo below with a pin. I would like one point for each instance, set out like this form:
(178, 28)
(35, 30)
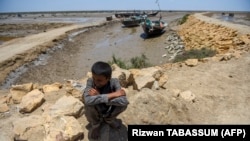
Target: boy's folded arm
(96, 99)
(118, 101)
(93, 100)
(117, 98)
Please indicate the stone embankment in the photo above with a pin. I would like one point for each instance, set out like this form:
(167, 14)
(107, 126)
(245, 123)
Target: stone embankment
(48, 112)
(202, 31)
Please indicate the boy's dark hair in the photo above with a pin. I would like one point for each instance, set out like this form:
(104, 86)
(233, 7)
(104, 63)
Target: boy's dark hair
(102, 68)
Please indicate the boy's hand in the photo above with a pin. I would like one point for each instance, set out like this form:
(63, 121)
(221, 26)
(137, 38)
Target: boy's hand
(93, 92)
(116, 94)
(120, 92)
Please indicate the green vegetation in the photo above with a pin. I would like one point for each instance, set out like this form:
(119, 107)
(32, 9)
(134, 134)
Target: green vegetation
(195, 54)
(139, 62)
(118, 61)
(183, 19)
(136, 62)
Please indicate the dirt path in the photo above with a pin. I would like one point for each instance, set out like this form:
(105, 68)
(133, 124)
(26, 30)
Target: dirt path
(19, 51)
(24, 44)
(243, 29)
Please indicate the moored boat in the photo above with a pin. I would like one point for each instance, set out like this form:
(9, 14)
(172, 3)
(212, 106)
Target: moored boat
(152, 14)
(132, 21)
(153, 27)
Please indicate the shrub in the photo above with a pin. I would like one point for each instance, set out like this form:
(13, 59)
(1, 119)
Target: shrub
(136, 62)
(118, 61)
(139, 62)
(195, 54)
(183, 19)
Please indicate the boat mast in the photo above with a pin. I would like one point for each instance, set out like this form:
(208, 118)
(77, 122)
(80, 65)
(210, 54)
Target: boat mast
(157, 1)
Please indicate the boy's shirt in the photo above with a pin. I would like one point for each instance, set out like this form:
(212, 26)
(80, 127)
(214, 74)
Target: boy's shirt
(101, 100)
(103, 107)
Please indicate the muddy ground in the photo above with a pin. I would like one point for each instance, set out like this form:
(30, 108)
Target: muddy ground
(73, 56)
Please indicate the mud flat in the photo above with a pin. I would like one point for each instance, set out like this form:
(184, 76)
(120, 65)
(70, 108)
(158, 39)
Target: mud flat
(72, 56)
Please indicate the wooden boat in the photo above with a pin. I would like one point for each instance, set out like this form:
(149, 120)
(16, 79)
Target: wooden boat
(132, 21)
(152, 14)
(155, 27)
(126, 14)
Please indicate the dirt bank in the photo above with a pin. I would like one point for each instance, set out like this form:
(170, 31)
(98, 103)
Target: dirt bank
(19, 51)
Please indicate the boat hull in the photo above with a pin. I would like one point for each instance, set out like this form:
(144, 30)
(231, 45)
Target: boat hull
(132, 21)
(154, 28)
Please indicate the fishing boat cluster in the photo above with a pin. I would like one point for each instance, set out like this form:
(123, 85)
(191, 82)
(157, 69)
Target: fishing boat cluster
(149, 26)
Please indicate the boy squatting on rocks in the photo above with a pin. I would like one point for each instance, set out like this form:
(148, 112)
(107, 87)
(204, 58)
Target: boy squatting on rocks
(104, 99)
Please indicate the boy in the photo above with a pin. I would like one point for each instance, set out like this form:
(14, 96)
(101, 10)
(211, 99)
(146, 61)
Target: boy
(104, 99)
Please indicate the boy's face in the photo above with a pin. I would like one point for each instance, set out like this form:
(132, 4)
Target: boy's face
(100, 80)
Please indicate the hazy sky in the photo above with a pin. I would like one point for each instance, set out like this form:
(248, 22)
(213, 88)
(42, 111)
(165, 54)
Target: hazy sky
(78, 5)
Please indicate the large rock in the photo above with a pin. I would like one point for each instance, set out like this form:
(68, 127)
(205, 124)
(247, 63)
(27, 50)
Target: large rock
(18, 91)
(51, 88)
(3, 103)
(67, 106)
(76, 88)
(65, 127)
(31, 101)
(25, 128)
(124, 76)
(143, 81)
(155, 107)
(145, 78)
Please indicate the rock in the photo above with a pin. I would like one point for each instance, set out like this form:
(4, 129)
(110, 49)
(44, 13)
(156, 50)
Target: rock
(163, 80)
(124, 76)
(67, 106)
(53, 87)
(191, 62)
(143, 82)
(18, 91)
(31, 101)
(63, 127)
(187, 95)
(4, 108)
(25, 128)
